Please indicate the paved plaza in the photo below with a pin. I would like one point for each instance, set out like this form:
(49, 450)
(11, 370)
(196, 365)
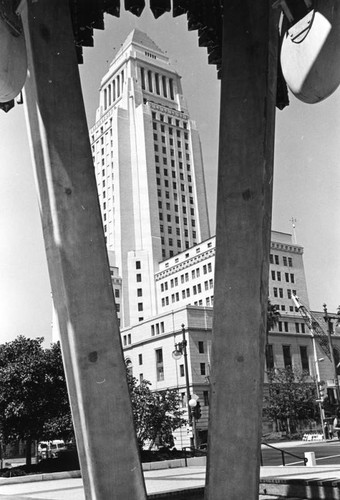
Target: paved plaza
(157, 481)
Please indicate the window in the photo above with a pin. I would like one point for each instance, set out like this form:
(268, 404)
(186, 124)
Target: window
(289, 294)
(141, 378)
(284, 261)
(302, 328)
(159, 365)
(202, 368)
(269, 357)
(304, 358)
(201, 346)
(281, 293)
(292, 278)
(278, 276)
(273, 275)
(181, 370)
(140, 306)
(276, 259)
(290, 262)
(140, 359)
(297, 327)
(139, 292)
(275, 292)
(286, 326)
(138, 277)
(117, 293)
(287, 277)
(138, 264)
(271, 258)
(287, 358)
(206, 398)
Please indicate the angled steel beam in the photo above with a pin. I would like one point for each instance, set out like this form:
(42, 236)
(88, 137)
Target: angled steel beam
(77, 258)
(245, 179)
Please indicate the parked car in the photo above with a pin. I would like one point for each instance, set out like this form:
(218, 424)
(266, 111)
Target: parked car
(50, 449)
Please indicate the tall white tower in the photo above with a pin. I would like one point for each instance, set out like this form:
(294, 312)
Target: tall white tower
(148, 164)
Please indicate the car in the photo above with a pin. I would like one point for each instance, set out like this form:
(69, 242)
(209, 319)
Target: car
(50, 449)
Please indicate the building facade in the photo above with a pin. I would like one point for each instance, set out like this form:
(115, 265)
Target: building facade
(149, 170)
(185, 291)
(150, 179)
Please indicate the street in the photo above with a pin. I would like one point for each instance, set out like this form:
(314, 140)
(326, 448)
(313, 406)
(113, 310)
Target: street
(327, 453)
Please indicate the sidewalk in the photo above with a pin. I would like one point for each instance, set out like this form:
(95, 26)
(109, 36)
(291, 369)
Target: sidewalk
(157, 481)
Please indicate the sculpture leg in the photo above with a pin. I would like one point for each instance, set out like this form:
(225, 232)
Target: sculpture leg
(77, 259)
(245, 177)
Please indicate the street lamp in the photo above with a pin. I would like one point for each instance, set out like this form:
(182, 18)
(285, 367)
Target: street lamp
(181, 349)
(318, 380)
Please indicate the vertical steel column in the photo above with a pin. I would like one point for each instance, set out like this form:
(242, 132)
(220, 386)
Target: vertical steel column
(248, 92)
(77, 258)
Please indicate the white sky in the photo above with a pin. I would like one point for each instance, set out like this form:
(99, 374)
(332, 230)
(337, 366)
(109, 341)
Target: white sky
(306, 182)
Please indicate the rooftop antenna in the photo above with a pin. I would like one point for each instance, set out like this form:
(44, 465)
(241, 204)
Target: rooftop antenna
(293, 221)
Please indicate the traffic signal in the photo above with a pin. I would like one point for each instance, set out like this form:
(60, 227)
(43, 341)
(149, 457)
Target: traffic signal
(321, 391)
(197, 411)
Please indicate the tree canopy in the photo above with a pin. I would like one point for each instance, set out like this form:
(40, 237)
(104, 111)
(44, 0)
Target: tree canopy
(156, 413)
(291, 398)
(34, 402)
(33, 395)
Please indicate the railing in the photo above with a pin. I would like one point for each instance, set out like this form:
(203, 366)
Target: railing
(190, 451)
(283, 452)
(194, 452)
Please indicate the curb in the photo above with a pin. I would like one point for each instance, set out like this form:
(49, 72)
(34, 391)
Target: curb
(49, 476)
(147, 466)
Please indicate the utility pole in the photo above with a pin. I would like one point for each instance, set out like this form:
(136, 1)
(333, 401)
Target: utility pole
(318, 380)
(329, 333)
(181, 348)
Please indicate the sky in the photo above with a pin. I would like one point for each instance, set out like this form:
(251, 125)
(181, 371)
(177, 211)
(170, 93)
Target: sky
(306, 175)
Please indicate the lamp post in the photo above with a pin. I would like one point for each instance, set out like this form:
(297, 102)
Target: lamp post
(329, 329)
(318, 380)
(181, 349)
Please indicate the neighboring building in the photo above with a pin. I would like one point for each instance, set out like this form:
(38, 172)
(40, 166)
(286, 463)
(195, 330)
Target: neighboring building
(185, 291)
(149, 170)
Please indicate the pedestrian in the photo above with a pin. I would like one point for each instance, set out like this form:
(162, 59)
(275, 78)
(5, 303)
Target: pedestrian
(336, 423)
(326, 430)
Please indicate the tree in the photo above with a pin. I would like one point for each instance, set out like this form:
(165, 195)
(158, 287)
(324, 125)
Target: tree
(33, 395)
(291, 398)
(156, 413)
(273, 316)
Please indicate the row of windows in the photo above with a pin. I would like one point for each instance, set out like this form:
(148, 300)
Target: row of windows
(174, 185)
(171, 121)
(202, 370)
(184, 278)
(169, 218)
(178, 231)
(283, 308)
(278, 292)
(277, 275)
(175, 297)
(183, 197)
(176, 208)
(113, 90)
(156, 83)
(171, 242)
(172, 153)
(157, 328)
(173, 174)
(275, 259)
(287, 357)
(283, 326)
